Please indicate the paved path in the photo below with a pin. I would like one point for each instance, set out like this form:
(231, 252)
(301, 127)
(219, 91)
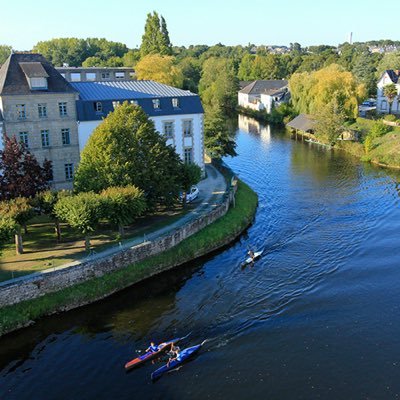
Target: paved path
(211, 192)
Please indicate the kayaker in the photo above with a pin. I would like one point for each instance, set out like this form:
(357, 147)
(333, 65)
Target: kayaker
(175, 354)
(251, 254)
(152, 348)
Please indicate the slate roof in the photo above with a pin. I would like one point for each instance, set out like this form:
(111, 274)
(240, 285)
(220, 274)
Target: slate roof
(303, 122)
(143, 92)
(33, 69)
(14, 81)
(264, 87)
(393, 75)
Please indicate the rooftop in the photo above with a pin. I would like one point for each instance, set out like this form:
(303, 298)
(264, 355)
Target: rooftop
(303, 122)
(126, 90)
(265, 87)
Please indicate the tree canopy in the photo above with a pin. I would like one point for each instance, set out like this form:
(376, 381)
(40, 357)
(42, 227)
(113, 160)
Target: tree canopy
(125, 149)
(20, 172)
(5, 52)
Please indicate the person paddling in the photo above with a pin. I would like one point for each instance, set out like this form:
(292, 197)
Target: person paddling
(175, 354)
(152, 348)
(251, 254)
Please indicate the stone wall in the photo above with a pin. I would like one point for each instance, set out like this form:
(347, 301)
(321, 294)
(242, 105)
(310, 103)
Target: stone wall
(36, 285)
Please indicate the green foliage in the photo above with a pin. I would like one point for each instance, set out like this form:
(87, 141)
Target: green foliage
(218, 85)
(81, 211)
(7, 228)
(390, 92)
(125, 149)
(18, 210)
(191, 71)
(389, 61)
(155, 39)
(5, 52)
(122, 205)
(329, 122)
(368, 146)
(217, 138)
(190, 175)
(379, 129)
(390, 118)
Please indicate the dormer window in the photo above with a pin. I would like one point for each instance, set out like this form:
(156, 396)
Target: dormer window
(156, 104)
(98, 106)
(35, 74)
(175, 102)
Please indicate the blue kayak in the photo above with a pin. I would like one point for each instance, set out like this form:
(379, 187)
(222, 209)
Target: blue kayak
(184, 355)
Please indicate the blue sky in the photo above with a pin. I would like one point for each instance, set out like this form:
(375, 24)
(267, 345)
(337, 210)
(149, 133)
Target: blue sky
(25, 22)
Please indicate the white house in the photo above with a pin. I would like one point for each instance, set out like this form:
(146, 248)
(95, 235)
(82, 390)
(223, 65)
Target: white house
(382, 105)
(177, 114)
(264, 95)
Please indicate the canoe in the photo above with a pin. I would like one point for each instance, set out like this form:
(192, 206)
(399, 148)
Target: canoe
(256, 255)
(184, 356)
(163, 347)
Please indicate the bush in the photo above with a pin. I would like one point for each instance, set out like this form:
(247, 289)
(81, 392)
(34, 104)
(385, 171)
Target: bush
(390, 118)
(379, 129)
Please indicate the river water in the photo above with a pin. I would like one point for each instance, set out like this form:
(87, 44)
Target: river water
(316, 317)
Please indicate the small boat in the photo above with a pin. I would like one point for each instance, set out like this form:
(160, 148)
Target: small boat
(150, 355)
(256, 255)
(184, 355)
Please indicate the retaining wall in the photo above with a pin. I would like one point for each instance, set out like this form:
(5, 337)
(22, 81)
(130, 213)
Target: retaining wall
(32, 286)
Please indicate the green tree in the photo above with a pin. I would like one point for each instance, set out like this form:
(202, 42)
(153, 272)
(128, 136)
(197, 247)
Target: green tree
(5, 52)
(329, 121)
(191, 71)
(390, 92)
(131, 58)
(155, 39)
(93, 62)
(388, 61)
(122, 205)
(217, 138)
(246, 68)
(364, 70)
(125, 149)
(17, 212)
(7, 228)
(82, 211)
(190, 175)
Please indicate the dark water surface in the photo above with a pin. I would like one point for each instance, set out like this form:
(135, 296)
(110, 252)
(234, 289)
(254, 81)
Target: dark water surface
(317, 317)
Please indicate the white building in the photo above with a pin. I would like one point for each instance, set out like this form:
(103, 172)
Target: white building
(264, 95)
(382, 105)
(177, 114)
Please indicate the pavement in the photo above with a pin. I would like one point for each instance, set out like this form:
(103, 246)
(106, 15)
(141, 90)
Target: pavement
(211, 193)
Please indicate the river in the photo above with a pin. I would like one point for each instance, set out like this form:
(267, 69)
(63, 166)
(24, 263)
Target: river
(316, 317)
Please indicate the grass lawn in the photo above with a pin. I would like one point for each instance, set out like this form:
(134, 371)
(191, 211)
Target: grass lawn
(213, 236)
(41, 250)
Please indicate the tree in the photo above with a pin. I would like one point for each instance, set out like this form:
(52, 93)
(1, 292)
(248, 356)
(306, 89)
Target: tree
(329, 121)
(22, 175)
(122, 205)
(246, 68)
(191, 71)
(7, 227)
(125, 149)
(390, 92)
(159, 68)
(46, 201)
(17, 212)
(155, 39)
(82, 211)
(131, 58)
(190, 175)
(218, 85)
(364, 70)
(310, 92)
(388, 61)
(5, 52)
(217, 140)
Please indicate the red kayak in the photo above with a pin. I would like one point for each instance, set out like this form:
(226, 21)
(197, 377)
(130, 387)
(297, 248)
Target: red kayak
(150, 355)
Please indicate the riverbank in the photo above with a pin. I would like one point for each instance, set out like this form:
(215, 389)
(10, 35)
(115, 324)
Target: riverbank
(216, 235)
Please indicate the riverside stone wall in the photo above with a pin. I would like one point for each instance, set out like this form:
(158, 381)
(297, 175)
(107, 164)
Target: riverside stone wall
(36, 285)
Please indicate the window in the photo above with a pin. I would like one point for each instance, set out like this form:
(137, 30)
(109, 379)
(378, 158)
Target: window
(384, 105)
(42, 110)
(62, 107)
(23, 138)
(69, 171)
(90, 76)
(175, 102)
(187, 128)
(65, 137)
(105, 75)
(75, 76)
(38, 83)
(120, 75)
(98, 106)
(156, 104)
(45, 138)
(169, 129)
(21, 111)
(188, 155)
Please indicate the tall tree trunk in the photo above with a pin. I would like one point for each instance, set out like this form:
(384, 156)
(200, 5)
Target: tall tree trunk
(121, 230)
(19, 248)
(57, 228)
(87, 243)
(25, 228)
(184, 197)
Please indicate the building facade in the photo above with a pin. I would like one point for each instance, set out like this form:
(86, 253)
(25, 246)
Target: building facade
(264, 95)
(382, 105)
(96, 74)
(177, 114)
(38, 107)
